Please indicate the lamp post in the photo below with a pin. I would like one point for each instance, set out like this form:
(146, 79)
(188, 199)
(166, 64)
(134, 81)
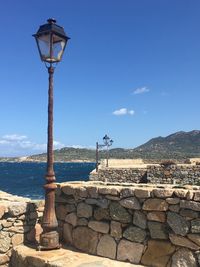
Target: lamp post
(107, 142)
(51, 42)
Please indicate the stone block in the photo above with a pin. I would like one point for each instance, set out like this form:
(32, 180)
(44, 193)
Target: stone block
(155, 204)
(2, 210)
(126, 192)
(4, 259)
(116, 229)
(71, 218)
(183, 242)
(17, 208)
(195, 238)
(107, 247)
(85, 239)
(102, 203)
(184, 258)
(67, 233)
(181, 193)
(82, 222)
(119, 213)
(195, 226)
(109, 191)
(197, 196)
(135, 234)
(173, 200)
(5, 242)
(142, 193)
(174, 208)
(192, 205)
(162, 193)
(139, 219)
(68, 190)
(189, 214)
(101, 214)
(178, 223)
(84, 210)
(93, 191)
(157, 230)
(129, 251)
(130, 203)
(157, 216)
(158, 253)
(81, 192)
(97, 226)
(17, 239)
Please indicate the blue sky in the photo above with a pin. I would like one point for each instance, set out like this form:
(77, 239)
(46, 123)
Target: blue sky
(131, 70)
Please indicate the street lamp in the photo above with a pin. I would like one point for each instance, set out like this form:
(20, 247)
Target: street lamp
(51, 42)
(107, 142)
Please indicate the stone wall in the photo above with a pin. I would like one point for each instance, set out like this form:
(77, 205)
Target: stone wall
(19, 223)
(144, 224)
(125, 175)
(174, 174)
(179, 174)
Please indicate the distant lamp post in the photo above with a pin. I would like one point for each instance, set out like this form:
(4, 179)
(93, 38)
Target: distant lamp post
(51, 41)
(107, 142)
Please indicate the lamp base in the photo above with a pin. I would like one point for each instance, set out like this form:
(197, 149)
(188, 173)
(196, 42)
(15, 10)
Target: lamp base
(49, 241)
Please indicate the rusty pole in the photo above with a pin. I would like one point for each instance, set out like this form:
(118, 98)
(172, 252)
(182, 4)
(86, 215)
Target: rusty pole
(97, 156)
(49, 238)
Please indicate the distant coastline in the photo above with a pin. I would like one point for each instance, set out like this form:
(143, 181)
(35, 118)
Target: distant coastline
(18, 160)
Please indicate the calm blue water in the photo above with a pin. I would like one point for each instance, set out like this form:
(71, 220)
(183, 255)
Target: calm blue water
(27, 179)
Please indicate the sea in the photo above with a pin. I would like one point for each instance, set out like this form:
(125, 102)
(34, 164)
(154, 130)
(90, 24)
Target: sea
(27, 178)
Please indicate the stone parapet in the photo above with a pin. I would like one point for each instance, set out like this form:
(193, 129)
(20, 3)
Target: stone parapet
(174, 174)
(142, 224)
(19, 223)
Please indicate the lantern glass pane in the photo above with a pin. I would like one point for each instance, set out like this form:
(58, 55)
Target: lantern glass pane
(58, 47)
(44, 46)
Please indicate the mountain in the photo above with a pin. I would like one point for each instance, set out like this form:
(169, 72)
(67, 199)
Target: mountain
(180, 145)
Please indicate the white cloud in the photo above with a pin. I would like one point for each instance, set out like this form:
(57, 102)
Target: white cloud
(141, 90)
(14, 137)
(131, 112)
(123, 111)
(20, 145)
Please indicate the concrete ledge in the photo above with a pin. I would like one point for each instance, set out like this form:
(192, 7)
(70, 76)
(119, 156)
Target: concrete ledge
(24, 256)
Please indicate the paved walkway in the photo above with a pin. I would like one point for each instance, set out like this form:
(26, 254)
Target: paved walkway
(64, 257)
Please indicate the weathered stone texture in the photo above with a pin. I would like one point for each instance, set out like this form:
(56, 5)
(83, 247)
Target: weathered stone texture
(131, 203)
(84, 210)
(97, 226)
(155, 204)
(184, 258)
(157, 216)
(135, 234)
(183, 242)
(158, 253)
(101, 214)
(107, 247)
(145, 225)
(85, 239)
(195, 226)
(129, 251)
(177, 223)
(157, 230)
(139, 219)
(119, 213)
(71, 218)
(116, 229)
